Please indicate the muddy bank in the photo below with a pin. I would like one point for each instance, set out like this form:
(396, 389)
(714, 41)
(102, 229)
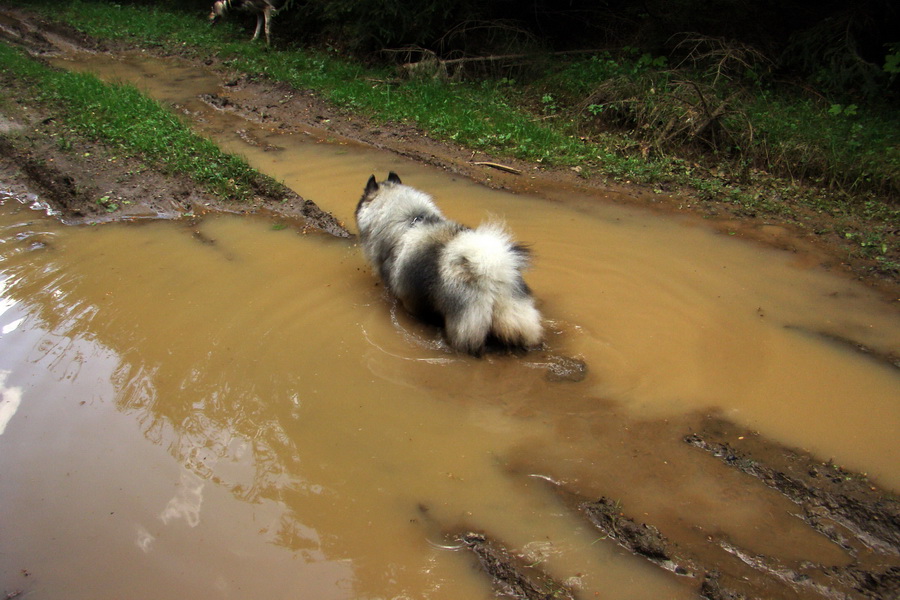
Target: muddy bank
(87, 182)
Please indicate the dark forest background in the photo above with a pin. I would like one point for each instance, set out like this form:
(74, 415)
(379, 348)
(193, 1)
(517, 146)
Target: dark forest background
(850, 49)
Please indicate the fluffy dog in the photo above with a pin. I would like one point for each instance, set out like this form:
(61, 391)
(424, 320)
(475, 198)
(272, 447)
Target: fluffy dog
(467, 280)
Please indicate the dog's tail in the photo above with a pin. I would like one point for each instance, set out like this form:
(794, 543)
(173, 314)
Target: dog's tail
(483, 268)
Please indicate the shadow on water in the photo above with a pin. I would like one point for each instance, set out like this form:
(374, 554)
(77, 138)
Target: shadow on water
(227, 407)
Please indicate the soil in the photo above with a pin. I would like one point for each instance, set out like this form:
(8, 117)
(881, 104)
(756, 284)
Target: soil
(69, 174)
(83, 181)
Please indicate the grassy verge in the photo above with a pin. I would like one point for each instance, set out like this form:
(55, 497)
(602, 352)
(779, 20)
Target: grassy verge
(121, 116)
(844, 146)
(478, 115)
(722, 110)
(713, 127)
(739, 138)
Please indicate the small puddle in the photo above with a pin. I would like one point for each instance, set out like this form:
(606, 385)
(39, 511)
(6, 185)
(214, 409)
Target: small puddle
(228, 407)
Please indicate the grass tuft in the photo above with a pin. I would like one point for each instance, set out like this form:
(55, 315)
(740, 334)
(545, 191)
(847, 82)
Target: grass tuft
(122, 116)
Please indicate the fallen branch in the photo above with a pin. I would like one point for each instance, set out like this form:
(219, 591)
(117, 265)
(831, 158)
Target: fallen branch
(431, 64)
(498, 166)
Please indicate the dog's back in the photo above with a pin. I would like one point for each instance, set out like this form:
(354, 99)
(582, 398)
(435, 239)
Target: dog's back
(468, 280)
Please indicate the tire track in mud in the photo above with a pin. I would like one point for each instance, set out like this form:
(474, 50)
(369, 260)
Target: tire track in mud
(840, 505)
(845, 507)
(512, 577)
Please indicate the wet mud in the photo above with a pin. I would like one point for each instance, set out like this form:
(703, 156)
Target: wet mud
(857, 516)
(90, 183)
(844, 507)
(512, 577)
(889, 358)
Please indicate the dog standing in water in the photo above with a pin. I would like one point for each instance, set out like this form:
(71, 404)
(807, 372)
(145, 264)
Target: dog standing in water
(264, 9)
(467, 280)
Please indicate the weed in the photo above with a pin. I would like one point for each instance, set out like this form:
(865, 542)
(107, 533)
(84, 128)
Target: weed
(108, 204)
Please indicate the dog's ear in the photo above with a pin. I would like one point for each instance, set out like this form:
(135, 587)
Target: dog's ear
(393, 177)
(371, 186)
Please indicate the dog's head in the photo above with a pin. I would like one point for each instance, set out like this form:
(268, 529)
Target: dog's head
(366, 209)
(217, 11)
(372, 188)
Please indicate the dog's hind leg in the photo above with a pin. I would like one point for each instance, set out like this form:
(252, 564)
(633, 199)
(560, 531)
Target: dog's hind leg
(516, 322)
(468, 328)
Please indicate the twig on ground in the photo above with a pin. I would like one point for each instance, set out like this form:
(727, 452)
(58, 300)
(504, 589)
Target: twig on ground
(498, 166)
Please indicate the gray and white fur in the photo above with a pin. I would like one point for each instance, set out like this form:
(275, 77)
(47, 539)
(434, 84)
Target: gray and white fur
(264, 9)
(467, 280)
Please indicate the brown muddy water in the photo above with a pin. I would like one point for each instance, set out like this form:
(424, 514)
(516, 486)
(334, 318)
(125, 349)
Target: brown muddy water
(229, 408)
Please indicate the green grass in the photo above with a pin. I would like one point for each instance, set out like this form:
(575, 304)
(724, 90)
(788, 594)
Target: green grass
(820, 142)
(114, 21)
(475, 115)
(840, 145)
(839, 159)
(817, 142)
(123, 117)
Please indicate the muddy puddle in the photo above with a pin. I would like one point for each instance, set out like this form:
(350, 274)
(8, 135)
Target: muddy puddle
(226, 408)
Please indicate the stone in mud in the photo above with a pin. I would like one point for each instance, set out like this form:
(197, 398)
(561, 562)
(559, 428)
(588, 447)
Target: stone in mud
(564, 368)
(216, 101)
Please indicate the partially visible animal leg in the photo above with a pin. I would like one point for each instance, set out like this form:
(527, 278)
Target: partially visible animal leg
(468, 327)
(259, 25)
(267, 15)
